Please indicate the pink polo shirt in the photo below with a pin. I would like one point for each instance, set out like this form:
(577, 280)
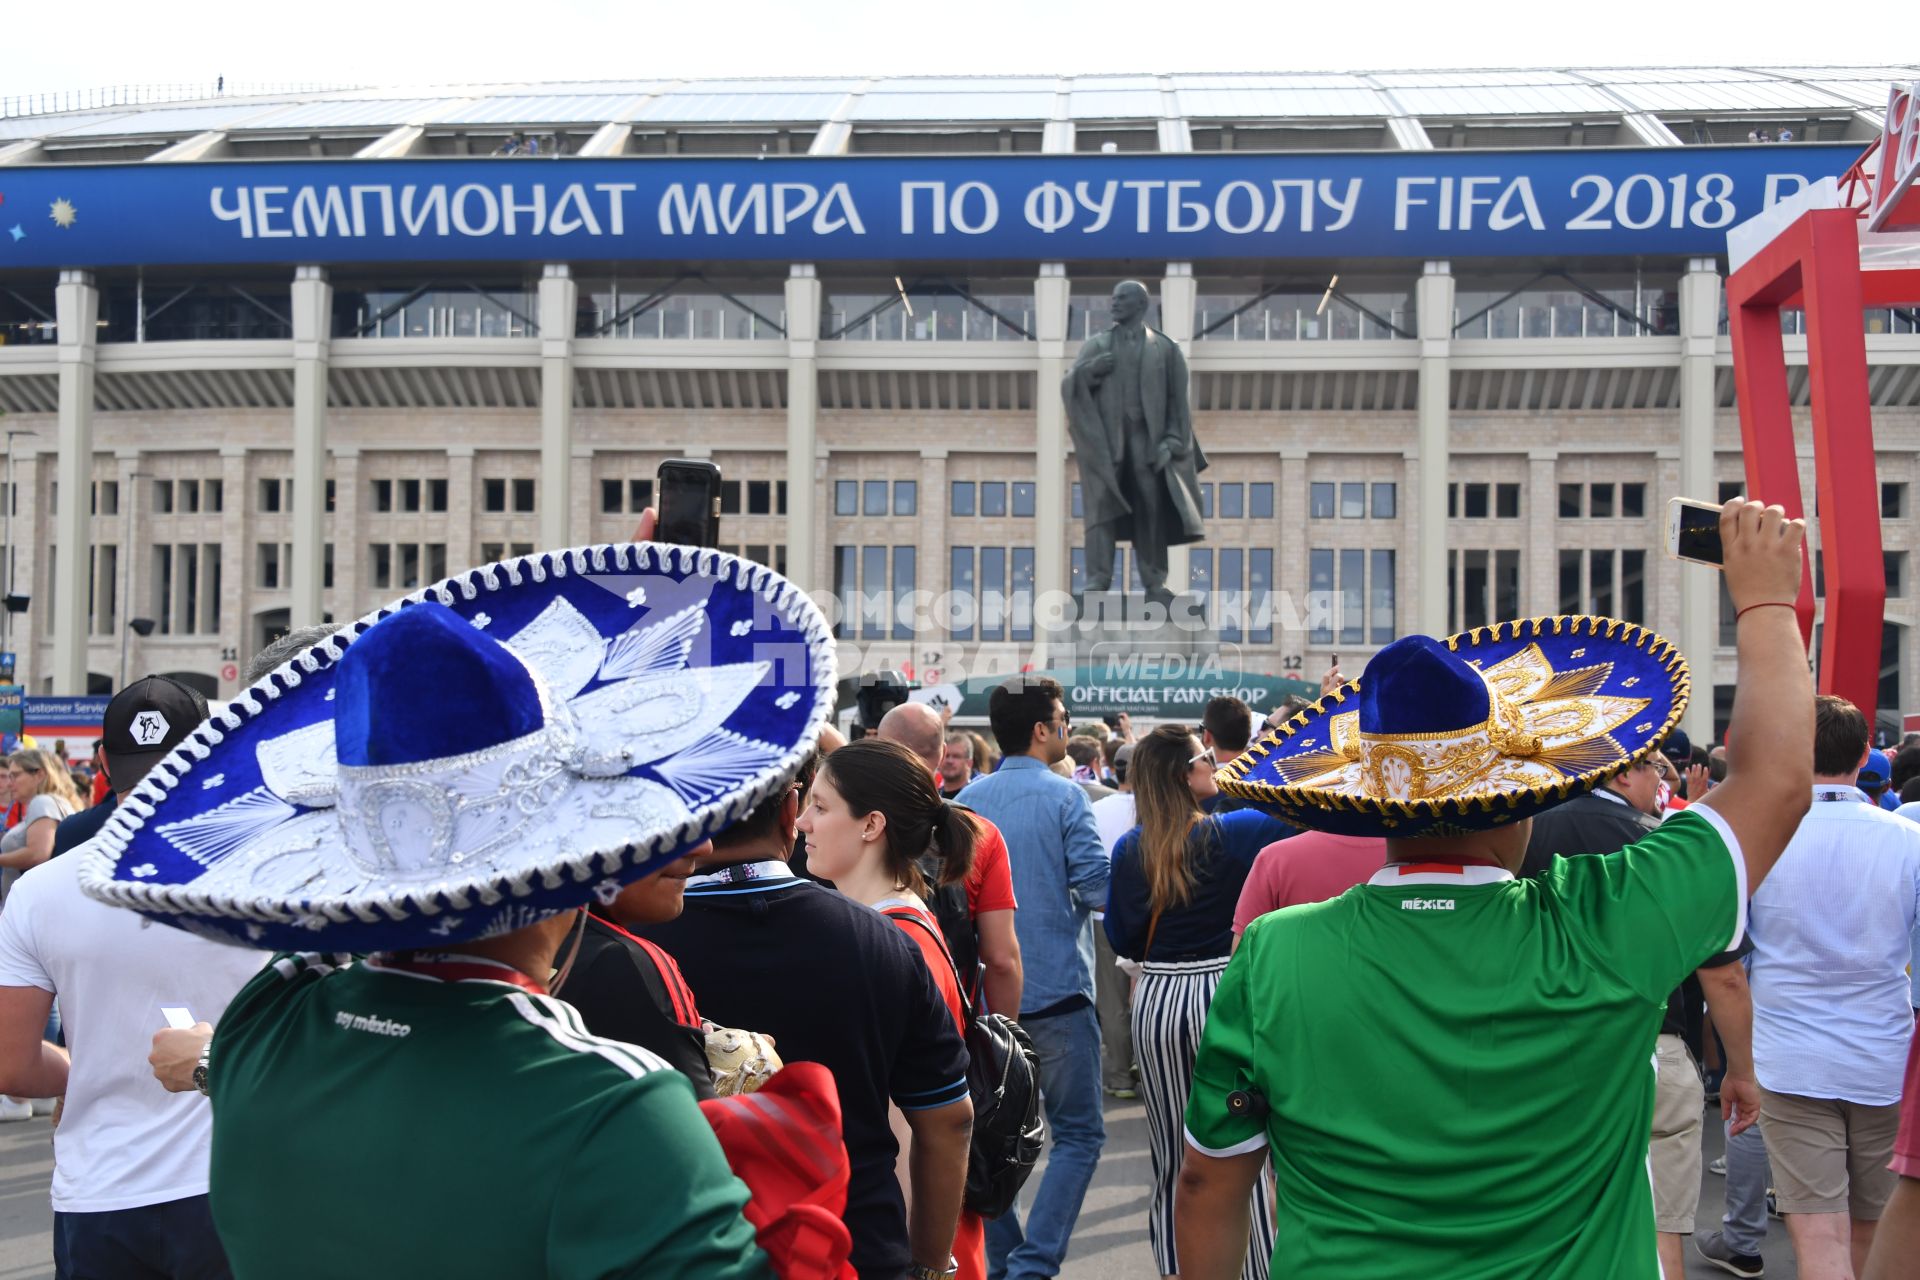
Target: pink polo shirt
(1310, 867)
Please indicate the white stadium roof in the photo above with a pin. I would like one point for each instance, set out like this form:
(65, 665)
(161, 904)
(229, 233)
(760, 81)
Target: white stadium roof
(1648, 106)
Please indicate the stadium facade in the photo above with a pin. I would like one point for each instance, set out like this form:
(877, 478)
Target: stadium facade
(1455, 337)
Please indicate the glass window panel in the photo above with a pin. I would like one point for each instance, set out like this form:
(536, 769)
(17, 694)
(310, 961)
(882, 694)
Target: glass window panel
(382, 496)
(1728, 637)
(523, 499)
(494, 494)
(873, 592)
(1569, 502)
(409, 495)
(1633, 501)
(1380, 620)
(1353, 596)
(1260, 501)
(1386, 501)
(1077, 570)
(1320, 501)
(1600, 502)
(382, 564)
(1453, 591)
(1353, 501)
(1232, 502)
(961, 501)
(1600, 582)
(1506, 585)
(1475, 507)
(1233, 614)
(1893, 501)
(1473, 589)
(1633, 586)
(993, 498)
(1200, 570)
(436, 560)
(1453, 501)
(437, 495)
(1079, 502)
(1259, 594)
(780, 497)
(759, 497)
(610, 494)
(904, 575)
(993, 593)
(1570, 582)
(1206, 500)
(1320, 586)
(873, 498)
(846, 497)
(1731, 489)
(960, 583)
(846, 587)
(1506, 501)
(906, 497)
(1023, 499)
(1020, 561)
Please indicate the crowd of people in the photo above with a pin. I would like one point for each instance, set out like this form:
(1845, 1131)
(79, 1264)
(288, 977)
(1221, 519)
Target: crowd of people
(1435, 975)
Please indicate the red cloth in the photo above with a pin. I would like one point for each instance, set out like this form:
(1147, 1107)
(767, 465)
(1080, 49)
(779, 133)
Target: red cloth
(990, 883)
(1310, 867)
(1906, 1144)
(100, 787)
(15, 812)
(970, 1236)
(785, 1142)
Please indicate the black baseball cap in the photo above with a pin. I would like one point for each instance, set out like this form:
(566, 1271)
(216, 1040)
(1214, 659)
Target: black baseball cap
(146, 720)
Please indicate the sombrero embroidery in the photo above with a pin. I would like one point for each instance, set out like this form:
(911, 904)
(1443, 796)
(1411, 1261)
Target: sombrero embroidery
(1477, 730)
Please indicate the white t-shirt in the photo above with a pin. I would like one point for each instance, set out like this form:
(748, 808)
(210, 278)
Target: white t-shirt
(1113, 818)
(123, 1140)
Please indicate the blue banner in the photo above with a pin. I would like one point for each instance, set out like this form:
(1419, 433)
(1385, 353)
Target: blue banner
(1438, 204)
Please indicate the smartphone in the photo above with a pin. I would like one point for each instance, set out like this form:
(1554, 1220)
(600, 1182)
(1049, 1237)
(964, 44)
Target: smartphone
(1693, 532)
(689, 502)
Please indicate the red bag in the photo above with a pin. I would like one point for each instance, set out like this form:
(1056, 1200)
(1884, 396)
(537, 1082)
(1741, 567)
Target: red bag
(784, 1141)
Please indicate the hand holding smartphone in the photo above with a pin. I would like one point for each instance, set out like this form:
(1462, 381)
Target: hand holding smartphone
(1693, 532)
(689, 498)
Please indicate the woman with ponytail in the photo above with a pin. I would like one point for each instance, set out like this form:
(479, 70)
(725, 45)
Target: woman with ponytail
(1176, 879)
(872, 813)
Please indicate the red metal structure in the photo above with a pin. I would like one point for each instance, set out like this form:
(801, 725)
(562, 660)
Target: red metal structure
(1815, 264)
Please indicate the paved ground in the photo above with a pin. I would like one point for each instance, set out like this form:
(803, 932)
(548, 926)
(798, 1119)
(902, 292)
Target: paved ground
(1110, 1244)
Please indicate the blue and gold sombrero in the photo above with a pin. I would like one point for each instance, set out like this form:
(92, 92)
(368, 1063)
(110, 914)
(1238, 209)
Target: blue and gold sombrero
(1442, 737)
(501, 746)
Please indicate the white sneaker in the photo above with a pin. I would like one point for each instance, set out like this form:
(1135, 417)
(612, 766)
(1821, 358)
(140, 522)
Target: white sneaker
(44, 1106)
(12, 1109)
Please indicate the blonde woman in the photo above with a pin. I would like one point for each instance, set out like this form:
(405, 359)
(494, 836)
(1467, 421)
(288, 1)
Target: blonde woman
(44, 786)
(1176, 880)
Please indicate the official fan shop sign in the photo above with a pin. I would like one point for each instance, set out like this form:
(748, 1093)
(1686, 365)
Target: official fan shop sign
(1096, 691)
(1676, 200)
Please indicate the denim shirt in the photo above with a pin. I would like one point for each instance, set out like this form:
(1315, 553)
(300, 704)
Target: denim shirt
(1059, 873)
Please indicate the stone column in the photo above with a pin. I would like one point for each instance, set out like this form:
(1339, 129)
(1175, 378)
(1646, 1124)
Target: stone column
(1541, 575)
(934, 562)
(580, 522)
(135, 508)
(1699, 592)
(462, 554)
(1292, 561)
(236, 620)
(558, 299)
(804, 550)
(312, 332)
(1178, 291)
(1051, 510)
(77, 309)
(1433, 299)
(348, 536)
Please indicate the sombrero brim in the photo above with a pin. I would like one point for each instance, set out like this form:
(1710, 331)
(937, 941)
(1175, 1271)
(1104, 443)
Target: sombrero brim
(723, 670)
(1307, 771)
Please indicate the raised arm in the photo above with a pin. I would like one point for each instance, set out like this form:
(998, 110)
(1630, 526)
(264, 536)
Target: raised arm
(1770, 739)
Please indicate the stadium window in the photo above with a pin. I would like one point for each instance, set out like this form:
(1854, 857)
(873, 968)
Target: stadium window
(189, 495)
(960, 500)
(436, 495)
(269, 496)
(383, 564)
(1386, 500)
(1206, 501)
(520, 549)
(1260, 501)
(639, 496)
(493, 494)
(1023, 497)
(1231, 501)
(328, 504)
(960, 585)
(409, 565)
(106, 497)
(904, 574)
(1353, 501)
(409, 495)
(383, 495)
(523, 495)
(1633, 585)
(1200, 574)
(1353, 595)
(215, 492)
(1380, 601)
(1506, 584)
(1473, 589)
(1896, 569)
(846, 497)
(611, 492)
(1506, 506)
(1600, 583)
(1320, 501)
(873, 498)
(993, 593)
(906, 497)
(729, 497)
(873, 592)
(1078, 502)
(1570, 501)
(162, 497)
(1600, 502)
(1453, 503)
(1633, 501)
(1260, 595)
(993, 499)
(1570, 592)
(780, 498)
(758, 552)
(1731, 489)
(492, 551)
(1474, 507)
(1893, 501)
(1320, 583)
(759, 497)
(846, 587)
(269, 558)
(1233, 616)
(326, 567)
(1020, 565)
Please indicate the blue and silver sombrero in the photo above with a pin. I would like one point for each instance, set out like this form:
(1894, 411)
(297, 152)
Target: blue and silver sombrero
(496, 748)
(1441, 737)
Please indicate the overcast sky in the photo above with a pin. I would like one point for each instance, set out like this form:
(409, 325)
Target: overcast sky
(55, 46)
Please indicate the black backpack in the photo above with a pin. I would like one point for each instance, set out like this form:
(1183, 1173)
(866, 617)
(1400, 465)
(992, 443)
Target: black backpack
(951, 910)
(1003, 1077)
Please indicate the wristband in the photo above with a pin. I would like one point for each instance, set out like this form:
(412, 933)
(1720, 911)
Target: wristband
(1764, 604)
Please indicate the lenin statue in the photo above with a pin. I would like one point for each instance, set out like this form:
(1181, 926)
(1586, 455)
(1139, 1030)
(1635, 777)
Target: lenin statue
(1133, 435)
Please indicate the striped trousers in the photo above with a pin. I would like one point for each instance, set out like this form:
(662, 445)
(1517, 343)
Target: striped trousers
(1169, 1013)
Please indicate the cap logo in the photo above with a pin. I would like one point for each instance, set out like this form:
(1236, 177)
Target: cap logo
(149, 729)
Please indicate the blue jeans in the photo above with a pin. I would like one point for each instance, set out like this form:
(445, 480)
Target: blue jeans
(1748, 1173)
(170, 1241)
(1069, 1049)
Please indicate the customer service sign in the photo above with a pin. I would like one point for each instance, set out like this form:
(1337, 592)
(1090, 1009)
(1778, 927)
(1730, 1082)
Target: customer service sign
(1677, 200)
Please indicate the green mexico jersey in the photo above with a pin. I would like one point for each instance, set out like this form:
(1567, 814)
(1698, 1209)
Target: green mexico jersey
(1459, 1064)
(376, 1122)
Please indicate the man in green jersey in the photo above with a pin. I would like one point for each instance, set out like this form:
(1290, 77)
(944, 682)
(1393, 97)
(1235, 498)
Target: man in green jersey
(1449, 1068)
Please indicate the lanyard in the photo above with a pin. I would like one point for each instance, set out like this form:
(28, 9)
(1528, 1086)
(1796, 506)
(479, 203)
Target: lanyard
(743, 873)
(453, 967)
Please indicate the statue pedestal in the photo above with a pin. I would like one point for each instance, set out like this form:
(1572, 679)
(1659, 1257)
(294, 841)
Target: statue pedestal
(1128, 626)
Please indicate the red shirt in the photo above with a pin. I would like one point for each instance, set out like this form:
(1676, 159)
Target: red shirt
(1310, 867)
(990, 883)
(1906, 1145)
